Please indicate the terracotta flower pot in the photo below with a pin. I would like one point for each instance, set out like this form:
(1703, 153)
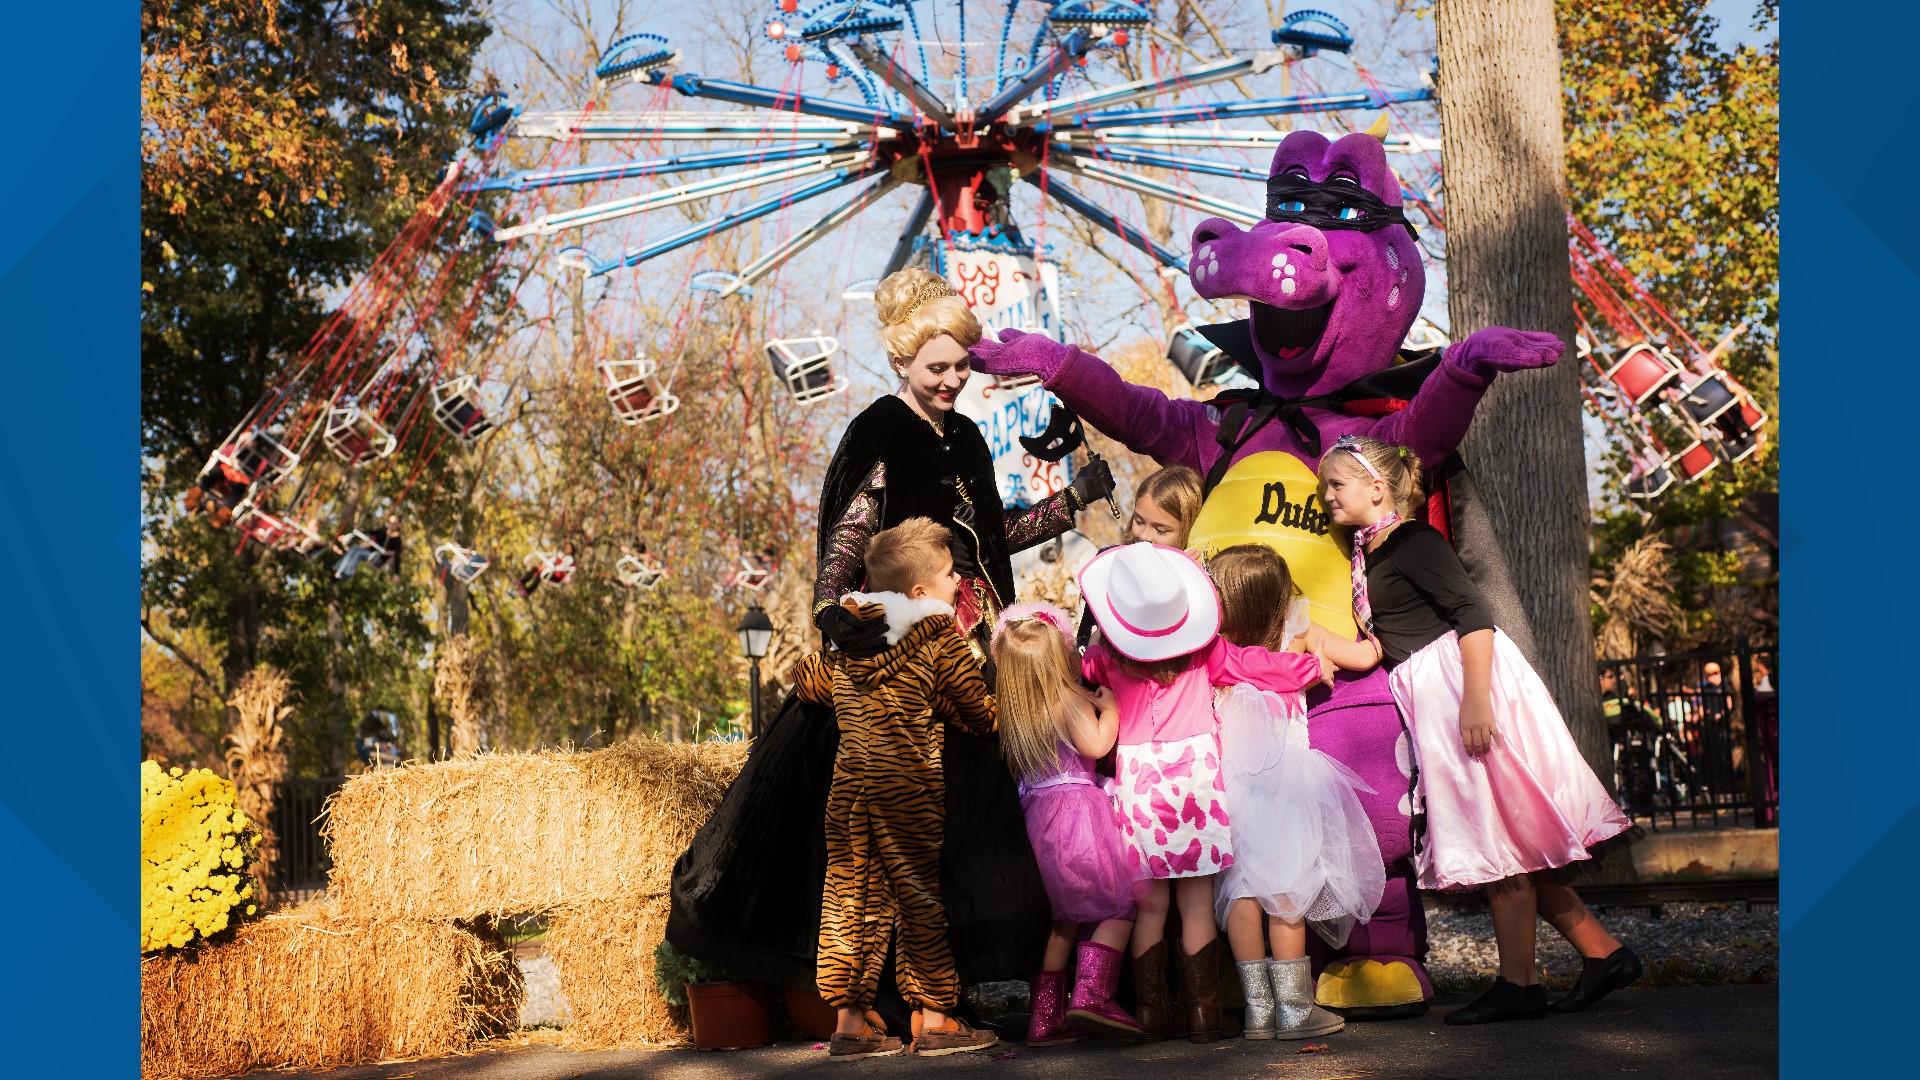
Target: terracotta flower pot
(730, 1015)
(811, 1012)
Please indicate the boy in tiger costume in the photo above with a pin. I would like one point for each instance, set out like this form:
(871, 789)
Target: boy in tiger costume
(886, 810)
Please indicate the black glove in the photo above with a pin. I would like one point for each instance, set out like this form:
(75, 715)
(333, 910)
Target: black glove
(852, 635)
(1094, 483)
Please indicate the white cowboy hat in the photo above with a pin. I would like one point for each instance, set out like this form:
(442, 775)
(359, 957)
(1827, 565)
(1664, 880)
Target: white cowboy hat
(1152, 602)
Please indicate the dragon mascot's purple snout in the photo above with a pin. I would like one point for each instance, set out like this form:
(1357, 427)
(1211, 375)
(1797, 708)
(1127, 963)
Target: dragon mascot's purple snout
(1333, 282)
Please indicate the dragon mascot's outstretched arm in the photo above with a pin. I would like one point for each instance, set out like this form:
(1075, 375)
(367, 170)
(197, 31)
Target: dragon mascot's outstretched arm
(1146, 420)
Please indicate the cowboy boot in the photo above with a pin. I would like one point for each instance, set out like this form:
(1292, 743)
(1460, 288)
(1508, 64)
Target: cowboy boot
(1151, 999)
(1093, 1008)
(1295, 1014)
(1045, 1024)
(1200, 986)
(1258, 991)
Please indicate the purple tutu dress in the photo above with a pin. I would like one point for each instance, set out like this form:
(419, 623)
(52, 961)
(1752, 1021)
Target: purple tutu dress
(1075, 832)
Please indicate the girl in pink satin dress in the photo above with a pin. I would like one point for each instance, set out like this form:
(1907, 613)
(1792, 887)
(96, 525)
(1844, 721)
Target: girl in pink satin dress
(1508, 798)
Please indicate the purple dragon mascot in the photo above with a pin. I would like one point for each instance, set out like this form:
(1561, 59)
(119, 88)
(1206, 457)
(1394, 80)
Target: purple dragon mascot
(1333, 281)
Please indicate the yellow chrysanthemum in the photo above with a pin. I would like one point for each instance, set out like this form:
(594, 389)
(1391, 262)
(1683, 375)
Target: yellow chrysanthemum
(194, 849)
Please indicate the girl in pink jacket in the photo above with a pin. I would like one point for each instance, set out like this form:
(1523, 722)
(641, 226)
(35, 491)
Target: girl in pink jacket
(1161, 653)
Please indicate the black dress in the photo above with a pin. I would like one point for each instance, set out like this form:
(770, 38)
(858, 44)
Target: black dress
(746, 894)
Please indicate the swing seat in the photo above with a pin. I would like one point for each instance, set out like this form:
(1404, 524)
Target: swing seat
(635, 572)
(465, 564)
(752, 575)
(1695, 461)
(1648, 485)
(456, 410)
(803, 366)
(632, 393)
(356, 538)
(1741, 445)
(355, 437)
(263, 528)
(301, 540)
(253, 459)
(1643, 371)
(554, 566)
(1744, 419)
(1200, 361)
(1707, 399)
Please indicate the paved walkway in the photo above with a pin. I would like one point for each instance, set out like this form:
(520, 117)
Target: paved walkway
(1693, 1033)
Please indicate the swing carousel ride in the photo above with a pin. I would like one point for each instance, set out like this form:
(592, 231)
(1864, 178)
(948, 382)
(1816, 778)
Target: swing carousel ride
(1063, 110)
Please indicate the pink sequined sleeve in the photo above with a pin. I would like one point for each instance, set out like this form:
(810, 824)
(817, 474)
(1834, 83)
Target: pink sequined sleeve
(843, 563)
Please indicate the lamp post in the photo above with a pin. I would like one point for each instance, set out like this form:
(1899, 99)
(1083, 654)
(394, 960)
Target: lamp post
(756, 634)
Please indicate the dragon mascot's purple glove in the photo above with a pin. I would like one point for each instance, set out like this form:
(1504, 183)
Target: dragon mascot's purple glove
(1486, 353)
(1333, 281)
(1020, 353)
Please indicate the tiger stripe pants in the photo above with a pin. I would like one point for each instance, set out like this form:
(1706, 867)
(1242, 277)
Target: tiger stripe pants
(884, 833)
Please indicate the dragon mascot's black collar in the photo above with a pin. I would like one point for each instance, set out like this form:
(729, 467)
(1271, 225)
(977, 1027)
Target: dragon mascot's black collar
(1373, 394)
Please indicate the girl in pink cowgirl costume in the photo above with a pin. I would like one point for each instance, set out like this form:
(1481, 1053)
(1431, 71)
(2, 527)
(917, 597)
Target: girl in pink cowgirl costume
(1051, 731)
(1161, 653)
(1508, 797)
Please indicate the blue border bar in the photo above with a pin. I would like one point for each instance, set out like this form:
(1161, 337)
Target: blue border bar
(69, 299)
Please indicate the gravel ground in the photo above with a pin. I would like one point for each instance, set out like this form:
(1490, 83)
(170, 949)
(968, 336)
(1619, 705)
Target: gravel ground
(1690, 944)
(544, 1006)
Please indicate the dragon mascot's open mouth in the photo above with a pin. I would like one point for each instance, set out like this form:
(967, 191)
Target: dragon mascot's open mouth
(1288, 334)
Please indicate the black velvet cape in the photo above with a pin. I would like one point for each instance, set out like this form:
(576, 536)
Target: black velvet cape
(919, 462)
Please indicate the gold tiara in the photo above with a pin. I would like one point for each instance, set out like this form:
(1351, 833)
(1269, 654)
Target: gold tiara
(927, 292)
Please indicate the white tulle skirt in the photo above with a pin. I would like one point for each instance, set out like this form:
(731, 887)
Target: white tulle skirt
(1302, 845)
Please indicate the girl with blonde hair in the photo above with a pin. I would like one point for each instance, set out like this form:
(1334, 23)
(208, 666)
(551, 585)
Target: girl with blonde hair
(1510, 802)
(1052, 731)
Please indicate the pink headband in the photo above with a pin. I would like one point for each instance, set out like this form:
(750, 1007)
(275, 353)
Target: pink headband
(1352, 446)
(1046, 613)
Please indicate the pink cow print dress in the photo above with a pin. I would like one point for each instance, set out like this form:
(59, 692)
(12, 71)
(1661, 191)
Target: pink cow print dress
(1171, 799)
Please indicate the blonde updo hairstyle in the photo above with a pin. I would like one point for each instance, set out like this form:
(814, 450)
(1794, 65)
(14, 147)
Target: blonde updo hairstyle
(915, 306)
(1396, 465)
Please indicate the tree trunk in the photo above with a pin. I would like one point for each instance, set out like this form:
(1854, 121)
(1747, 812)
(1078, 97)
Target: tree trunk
(1501, 140)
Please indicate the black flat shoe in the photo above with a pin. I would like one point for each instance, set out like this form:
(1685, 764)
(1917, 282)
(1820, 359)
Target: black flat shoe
(1502, 1001)
(1598, 978)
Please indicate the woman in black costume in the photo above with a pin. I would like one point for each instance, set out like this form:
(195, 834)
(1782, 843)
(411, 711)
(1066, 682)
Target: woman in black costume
(746, 894)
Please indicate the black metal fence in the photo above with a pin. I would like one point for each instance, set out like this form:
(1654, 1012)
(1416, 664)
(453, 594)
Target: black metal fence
(1696, 736)
(303, 864)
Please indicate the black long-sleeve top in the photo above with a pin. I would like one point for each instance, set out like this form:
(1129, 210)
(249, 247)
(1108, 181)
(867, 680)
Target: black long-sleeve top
(1419, 590)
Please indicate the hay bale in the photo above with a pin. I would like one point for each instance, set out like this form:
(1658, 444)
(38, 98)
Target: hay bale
(522, 834)
(605, 957)
(312, 988)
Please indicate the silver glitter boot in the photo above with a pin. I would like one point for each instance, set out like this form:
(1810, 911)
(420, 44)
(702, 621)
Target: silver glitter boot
(1296, 1016)
(1254, 986)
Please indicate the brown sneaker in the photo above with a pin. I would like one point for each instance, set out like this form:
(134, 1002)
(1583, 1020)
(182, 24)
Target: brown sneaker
(875, 1043)
(954, 1037)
